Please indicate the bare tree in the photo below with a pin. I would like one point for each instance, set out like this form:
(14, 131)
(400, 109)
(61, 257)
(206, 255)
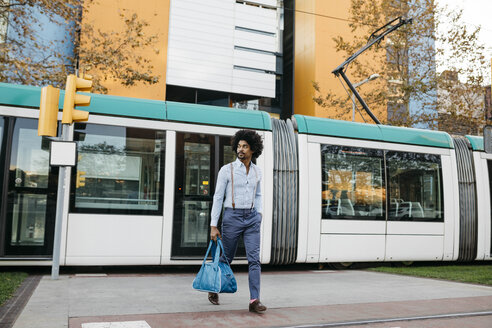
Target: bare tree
(407, 59)
(29, 56)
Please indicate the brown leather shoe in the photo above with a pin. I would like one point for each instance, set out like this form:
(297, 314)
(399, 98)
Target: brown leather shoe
(213, 298)
(257, 307)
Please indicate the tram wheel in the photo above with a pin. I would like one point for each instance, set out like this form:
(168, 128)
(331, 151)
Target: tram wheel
(341, 265)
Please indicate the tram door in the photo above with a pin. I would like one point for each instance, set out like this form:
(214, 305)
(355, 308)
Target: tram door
(29, 189)
(198, 160)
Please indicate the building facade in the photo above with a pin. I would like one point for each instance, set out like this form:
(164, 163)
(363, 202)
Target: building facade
(254, 54)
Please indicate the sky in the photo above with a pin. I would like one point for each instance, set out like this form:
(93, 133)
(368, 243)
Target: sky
(476, 12)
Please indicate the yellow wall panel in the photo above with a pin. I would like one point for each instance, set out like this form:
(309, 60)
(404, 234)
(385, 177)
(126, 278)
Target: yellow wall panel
(317, 23)
(304, 65)
(327, 58)
(105, 15)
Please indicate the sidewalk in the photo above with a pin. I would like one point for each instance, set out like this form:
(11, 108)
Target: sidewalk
(293, 297)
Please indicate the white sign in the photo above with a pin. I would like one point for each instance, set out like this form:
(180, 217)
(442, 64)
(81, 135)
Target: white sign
(63, 153)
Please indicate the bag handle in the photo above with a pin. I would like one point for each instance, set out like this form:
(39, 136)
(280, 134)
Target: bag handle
(217, 250)
(215, 257)
(206, 254)
(223, 252)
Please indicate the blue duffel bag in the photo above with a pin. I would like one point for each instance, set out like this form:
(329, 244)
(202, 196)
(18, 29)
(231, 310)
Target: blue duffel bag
(215, 276)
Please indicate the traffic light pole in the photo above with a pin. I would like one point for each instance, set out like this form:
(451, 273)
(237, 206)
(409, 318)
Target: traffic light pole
(60, 197)
(47, 127)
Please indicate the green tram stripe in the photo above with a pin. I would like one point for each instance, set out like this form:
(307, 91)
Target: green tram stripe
(354, 130)
(29, 96)
(476, 143)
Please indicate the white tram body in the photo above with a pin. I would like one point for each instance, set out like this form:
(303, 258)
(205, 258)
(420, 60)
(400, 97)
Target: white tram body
(333, 191)
(483, 170)
(370, 240)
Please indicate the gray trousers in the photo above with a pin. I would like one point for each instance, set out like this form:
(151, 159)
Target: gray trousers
(246, 222)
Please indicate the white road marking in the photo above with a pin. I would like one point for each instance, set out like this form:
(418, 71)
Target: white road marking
(121, 324)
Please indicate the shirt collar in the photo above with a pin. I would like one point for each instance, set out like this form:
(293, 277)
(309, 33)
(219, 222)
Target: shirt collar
(238, 163)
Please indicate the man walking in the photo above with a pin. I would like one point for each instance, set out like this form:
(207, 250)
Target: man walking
(239, 182)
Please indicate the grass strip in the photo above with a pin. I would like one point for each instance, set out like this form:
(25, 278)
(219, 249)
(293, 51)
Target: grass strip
(9, 282)
(476, 274)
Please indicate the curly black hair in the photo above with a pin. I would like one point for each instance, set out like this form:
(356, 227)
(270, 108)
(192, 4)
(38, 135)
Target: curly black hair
(252, 138)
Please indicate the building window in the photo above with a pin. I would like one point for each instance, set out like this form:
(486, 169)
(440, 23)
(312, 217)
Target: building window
(353, 183)
(119, 170)
(415, 187)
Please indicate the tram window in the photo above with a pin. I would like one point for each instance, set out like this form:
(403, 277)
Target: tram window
(197, 169)
(353, 183)
(415, 187)
(119, 170)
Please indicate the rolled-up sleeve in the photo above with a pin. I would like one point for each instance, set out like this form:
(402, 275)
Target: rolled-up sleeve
(220, 189)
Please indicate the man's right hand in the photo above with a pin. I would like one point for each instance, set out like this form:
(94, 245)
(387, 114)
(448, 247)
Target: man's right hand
(214, 232)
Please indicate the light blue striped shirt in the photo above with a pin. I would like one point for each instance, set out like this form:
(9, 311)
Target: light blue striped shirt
(244, 188)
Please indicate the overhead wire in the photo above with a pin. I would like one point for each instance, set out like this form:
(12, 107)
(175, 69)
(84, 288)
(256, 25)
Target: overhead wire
(354, 21)
(325, 16)
(414, 6)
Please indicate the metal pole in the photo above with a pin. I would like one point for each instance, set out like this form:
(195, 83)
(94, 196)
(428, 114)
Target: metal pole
(359, 98)
(353, 108)
(358, 84)
(55, 267)
(374, 38)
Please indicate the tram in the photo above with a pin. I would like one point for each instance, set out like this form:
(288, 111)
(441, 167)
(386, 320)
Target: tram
(141, 190)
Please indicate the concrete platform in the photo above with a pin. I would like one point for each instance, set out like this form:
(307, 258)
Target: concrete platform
(295, 298)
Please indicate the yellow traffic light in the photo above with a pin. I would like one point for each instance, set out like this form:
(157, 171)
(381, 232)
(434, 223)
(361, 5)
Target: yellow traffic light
(72, 98)
(80, 182)
(48, 111)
